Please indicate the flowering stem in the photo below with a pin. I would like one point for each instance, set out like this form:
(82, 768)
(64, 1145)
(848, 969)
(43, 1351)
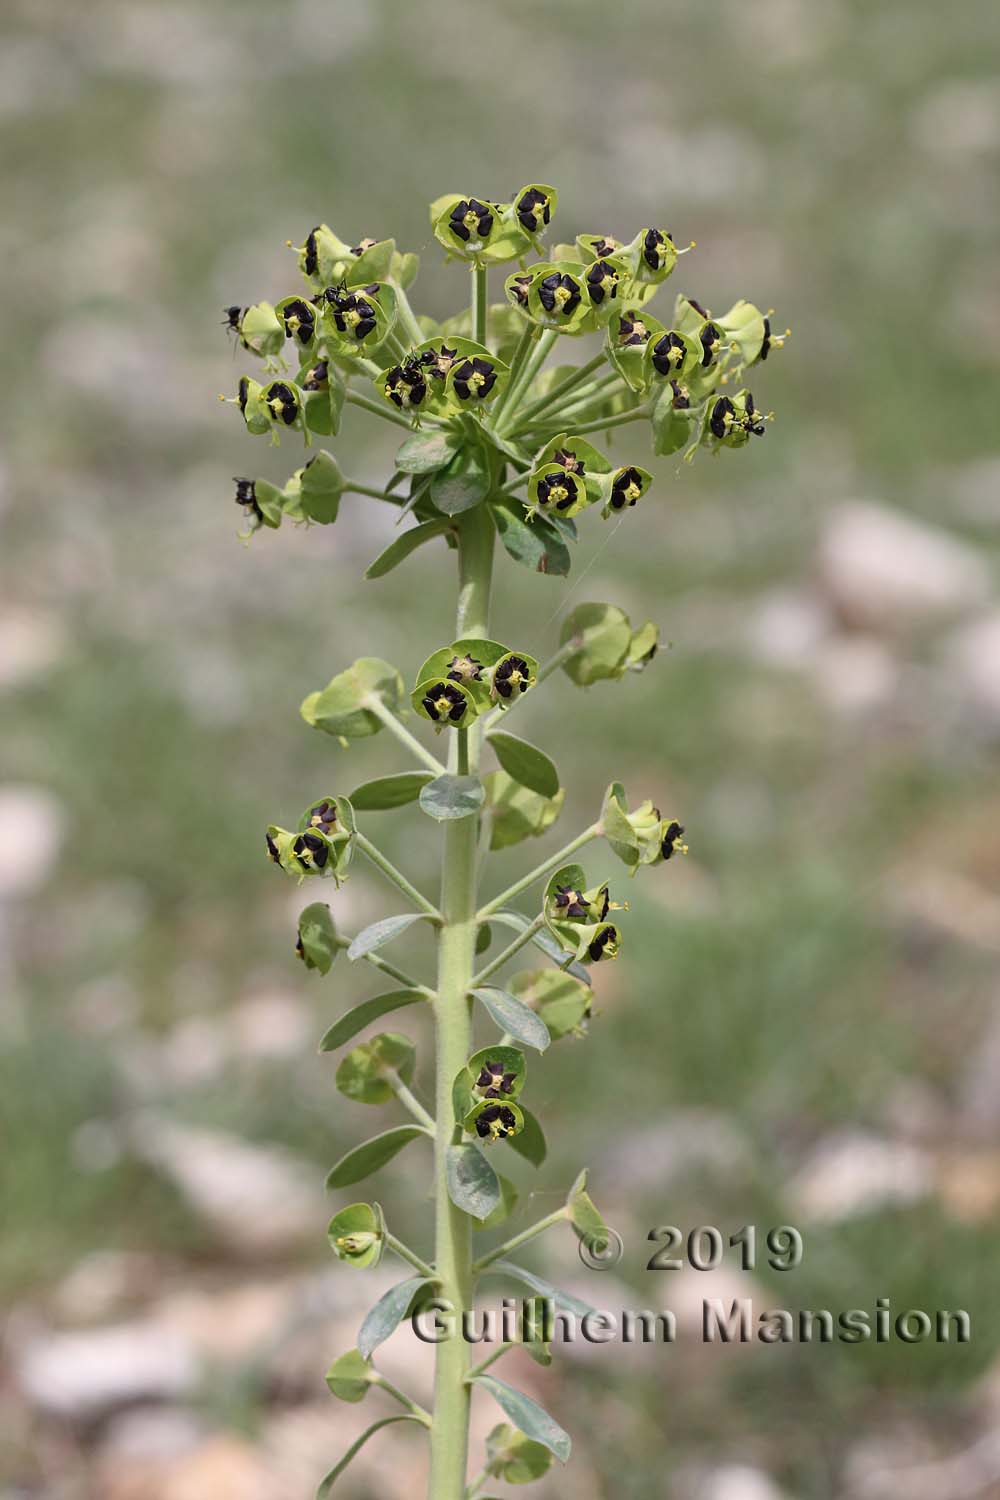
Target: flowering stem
(532, 365)
(601, 424)
(355, 487)
(546, 868)
(396, 876)
(368, 403)
(490, 1359)
(456, 956)
(375, 705)
(508, 952)
(385, 967)
(407, 315)
(479, 304)
(555, 661)
(517, 1240)
(411, 1406)
(405, 1253)
(521, 352)
(408, 1101)
(562, 389)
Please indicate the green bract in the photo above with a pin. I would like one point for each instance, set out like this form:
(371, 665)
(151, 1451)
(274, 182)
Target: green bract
(357, 1236)
(366, 1073)
(495, 447)
(317, 944)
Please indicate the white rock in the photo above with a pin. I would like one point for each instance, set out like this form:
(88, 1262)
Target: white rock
(883, 571)
(853, 1173)
(82, 1375)
(737, 1482)
(972, 657)
(30, 836)
(856, 675)
(260, 1200)
(272, 1024)
(787, 628)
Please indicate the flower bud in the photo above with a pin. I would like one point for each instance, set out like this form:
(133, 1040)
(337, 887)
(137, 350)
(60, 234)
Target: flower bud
(317, 944)
(357, 1235)
(630, 332)
(750, 332)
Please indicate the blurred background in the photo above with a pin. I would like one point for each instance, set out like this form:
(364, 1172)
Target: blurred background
(803, 1027)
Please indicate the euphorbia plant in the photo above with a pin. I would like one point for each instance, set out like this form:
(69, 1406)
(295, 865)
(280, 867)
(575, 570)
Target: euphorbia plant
(500, 441)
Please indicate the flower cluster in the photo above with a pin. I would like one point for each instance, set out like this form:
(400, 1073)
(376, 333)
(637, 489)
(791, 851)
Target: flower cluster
(461, 681)
(322, 844)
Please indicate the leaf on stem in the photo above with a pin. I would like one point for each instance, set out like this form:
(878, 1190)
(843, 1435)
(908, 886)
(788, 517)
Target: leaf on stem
(362, 1015)
(448, 797)
(365, 1159)
(403, 545)
(387, 1314)
(328, 1481)
(425, 452)
(514, 1017)
(473, 1186)
(387, 792)
(530, 1140)
(377, 934)
(526, 764)
(536, 546)
(539, 1285)
(527, 1416)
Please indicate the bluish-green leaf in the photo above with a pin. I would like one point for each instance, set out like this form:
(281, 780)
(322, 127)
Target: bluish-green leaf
(473, 1186)
(387, 792)
(427, 451)
(514, 1017)
(543, 1288)
(327, 1483)
(362, 1015)
(387, 1314)
(464, 484)
(527, 1416)
(365, 1159)
(404, 544)
(449, 796)
(379, 933)
(533, 544)
(525, 763)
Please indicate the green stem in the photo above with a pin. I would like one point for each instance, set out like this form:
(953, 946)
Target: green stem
(562, 389)
(396, 876)
(521, 351)
(545, 868)
(554, 662)
(355, 487)
(479, 304)
(518, 1240)
(411, 1406)
(490, 1359)
(368, 403)
(456, 956)
(601, 424)
(406, 314)
(532, 365)
(385, 967)
(509, 951)
(408, 1101)
(375, 705)
(405, 1253)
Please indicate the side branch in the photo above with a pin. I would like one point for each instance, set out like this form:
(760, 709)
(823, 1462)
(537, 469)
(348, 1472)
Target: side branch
(375, 705)
(545, 868)
(397, 877)
(508, 952)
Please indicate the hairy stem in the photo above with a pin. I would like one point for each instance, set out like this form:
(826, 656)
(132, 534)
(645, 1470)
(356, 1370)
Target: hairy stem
(508, 952)
(397, 877)
(456, 956)
(405, 1253)
(490, 1359)
(404, 1400)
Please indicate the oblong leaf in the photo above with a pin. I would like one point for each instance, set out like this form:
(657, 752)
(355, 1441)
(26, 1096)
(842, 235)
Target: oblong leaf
(387, 1314)
(387, 792)
(449, 796)
(464, 484)
(403, 545)
(525, 763)
(527, 1416)
(425, 452)
(365, 1159)
(566, 1300)
(327, 1482)
(514, 1017)
(473, 1186)
(535, 546)
(362, 1015)
(377, 934)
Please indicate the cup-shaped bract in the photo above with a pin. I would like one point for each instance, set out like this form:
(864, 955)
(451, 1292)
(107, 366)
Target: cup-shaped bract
(357, 1237)
(562, 1001)
(367, 1071)
(316, 942)
(492, 1120)
(731, 421)
(344, 707)
(496, 1072)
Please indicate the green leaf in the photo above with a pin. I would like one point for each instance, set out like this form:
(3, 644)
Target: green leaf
(484, 936)
(426, 452)
(327, 1483)
(515, 1458)
(562, 1001)
(543, 1288)
(362, 1073)
(448, 797)
(465, 483)
(473, 1186)
(357, 1235)
(529, 1141)
(506, 1206)
(377, 934)
(530, 1418)
(404, 544)
(546, 942)
(527, 765)
(317, 944)
(350, 1376)
(362, 1015)
(388, 1312)
(536, 546)
(365, 1159)
(516, 812)
(584, 1215)
(387, 792)
(499, 1058)
(514, 1017)
(604, 635)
